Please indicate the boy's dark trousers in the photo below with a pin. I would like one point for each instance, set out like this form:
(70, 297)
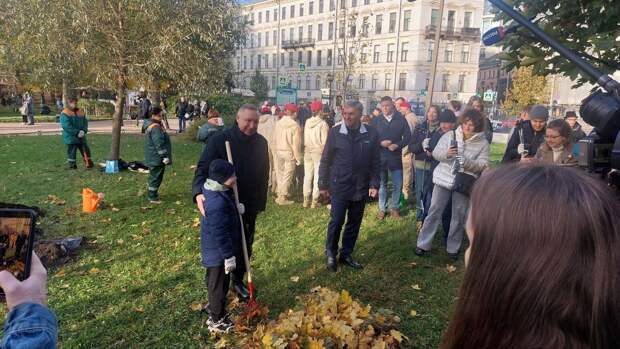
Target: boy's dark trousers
(217, 287)
(72, 150)
(156, 176)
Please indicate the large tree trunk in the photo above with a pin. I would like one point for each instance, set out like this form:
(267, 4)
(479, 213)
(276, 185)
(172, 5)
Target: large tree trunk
(155, 91)
(65, 91)
(117, 118)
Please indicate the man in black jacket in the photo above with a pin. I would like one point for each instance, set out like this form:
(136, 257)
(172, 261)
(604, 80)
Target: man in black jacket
(180, 110)
(251, 160)
(527, 136)
(571, 119)
(394, 134)
(145, 107)
(349, 173)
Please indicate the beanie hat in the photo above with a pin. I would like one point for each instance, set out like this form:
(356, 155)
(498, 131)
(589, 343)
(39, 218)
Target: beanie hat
(447, 116)
(570, 114)
(220, 170)
(315, 106)
(539, 112)
(405, 104)
(291, 107)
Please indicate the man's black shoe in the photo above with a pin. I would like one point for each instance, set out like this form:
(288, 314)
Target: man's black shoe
(419, 252)
(72, 166)
(348, 260)
(331, 264)
(242, 292)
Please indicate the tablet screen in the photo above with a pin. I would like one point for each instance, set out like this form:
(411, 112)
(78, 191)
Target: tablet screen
(15, 240)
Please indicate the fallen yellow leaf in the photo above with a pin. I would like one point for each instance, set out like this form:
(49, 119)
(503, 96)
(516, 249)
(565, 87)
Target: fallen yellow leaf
(94, 270)
(416, 287)
(450, 268)
(295, 278)
(139, 309)
(60, 273)
(413, 313)
(196, 306)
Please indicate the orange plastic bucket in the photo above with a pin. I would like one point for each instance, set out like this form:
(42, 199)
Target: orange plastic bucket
(90, 200)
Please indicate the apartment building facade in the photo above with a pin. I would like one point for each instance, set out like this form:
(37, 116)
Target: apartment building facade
(362, 49)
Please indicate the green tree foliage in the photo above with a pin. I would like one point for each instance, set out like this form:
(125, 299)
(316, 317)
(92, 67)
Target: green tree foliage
(259, 85)
(526, 89)
(586, 26)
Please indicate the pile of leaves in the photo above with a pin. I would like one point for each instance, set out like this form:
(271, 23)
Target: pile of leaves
(327, 319)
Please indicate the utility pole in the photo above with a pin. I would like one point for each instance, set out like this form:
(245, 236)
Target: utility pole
(278, 62)
(431, 85)
(334, 54)
(400, 7)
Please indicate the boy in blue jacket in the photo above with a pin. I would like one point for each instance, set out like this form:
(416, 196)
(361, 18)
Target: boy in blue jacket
(220, 240)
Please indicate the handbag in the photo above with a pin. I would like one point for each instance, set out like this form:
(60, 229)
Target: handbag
(463, 182)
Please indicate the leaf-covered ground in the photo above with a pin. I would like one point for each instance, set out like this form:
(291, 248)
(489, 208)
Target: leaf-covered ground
(135, 281)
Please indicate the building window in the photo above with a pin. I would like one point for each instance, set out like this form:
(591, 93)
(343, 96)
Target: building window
(465, 54)
(275, 14)
(366, 2)
(365, 27)
(282, 59)
(309, 58)
(360, 81)
(332, 5)
(364, 55)
(321, 3)
(451, 16)
(319, 34)
(340, 55)
(467, 21)
(341, 29)
(390, 53)
(283, 13)
(352, 29)
(444, 82)
(300, 32)
(434, 17)
(402, 81)
(273, 60)
(300, 57)
(343, 4)
(373, 83)
(301, 10)
(404, 51)
(273, 81)
(461, 82)
(311, 7)
(252, 62)
(407, 20)
(299, 81)
(275, 37)
(266, 39)
(238, 63)
(291, 34)
(338, 84)
(353, 3)
(260, 17)
(317, 82)
(431, 47)
(290, 59)
(392, 25)
(427, 82)
(266, 61)
(330, 31)
(267, 16)
(259, 39)
(329, 57)
(449, 53)
(307, 82)
(252, 40)
(310, 32)
(245, 62)
(379, 1)
(378, 22)
(388, 81)
(319, 55)
(283, 35)
(375, 54)
(292, 11)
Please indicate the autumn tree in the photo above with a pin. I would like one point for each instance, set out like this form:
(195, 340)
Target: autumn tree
(352, 45)
(259, 85)
(526, 89)
(587, 27)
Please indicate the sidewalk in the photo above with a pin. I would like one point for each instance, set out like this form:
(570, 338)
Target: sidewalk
(102, 126)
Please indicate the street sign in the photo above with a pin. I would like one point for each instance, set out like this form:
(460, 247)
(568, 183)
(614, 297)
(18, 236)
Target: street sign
(286, 95)
(302, 67)
(489, 96)
(421, 93)
(282, 81)
(325, 92)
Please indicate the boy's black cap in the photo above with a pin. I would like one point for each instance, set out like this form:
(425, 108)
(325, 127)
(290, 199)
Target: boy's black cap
(447, 116)
(220, 170)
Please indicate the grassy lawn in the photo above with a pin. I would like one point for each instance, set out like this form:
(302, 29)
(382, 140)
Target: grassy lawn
(134, 281)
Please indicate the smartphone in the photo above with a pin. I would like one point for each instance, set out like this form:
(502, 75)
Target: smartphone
(16, 241)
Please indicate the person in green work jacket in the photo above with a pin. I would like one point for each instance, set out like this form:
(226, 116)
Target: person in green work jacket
(74, 129)
(157, 152)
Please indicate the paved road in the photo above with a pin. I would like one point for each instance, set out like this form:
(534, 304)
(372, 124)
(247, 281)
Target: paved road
(102, 126)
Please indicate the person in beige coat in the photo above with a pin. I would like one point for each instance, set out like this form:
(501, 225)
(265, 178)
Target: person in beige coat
(287, 138)
(266, 128)
(315, 136)
(408, 174)
(558, 146)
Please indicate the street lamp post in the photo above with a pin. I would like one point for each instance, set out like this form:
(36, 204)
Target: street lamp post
(431, 84)
(330, 81)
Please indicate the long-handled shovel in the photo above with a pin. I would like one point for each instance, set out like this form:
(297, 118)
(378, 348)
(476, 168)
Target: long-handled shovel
(252, 304)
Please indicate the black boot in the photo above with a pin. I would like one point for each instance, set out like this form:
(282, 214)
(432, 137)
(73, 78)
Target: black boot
(241, 290)
(331, 264)
(72, 165)
(348, 260)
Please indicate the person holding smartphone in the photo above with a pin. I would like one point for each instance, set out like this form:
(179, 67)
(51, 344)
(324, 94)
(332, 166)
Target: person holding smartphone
(30, 323)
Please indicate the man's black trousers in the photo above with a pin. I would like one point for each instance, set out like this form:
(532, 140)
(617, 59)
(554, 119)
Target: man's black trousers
(354, 212)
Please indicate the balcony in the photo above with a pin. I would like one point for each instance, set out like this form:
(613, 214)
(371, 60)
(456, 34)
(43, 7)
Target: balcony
(293, 44)
(451, 33)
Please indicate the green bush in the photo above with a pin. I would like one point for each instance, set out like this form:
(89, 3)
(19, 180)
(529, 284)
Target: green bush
(227, 106)
(95, 108)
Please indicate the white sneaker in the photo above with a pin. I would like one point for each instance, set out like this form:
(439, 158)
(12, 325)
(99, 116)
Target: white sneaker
(224, 325)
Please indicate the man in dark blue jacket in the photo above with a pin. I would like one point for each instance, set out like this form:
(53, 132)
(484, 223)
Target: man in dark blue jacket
(349, 173)
(527, 136)
(394, 134)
